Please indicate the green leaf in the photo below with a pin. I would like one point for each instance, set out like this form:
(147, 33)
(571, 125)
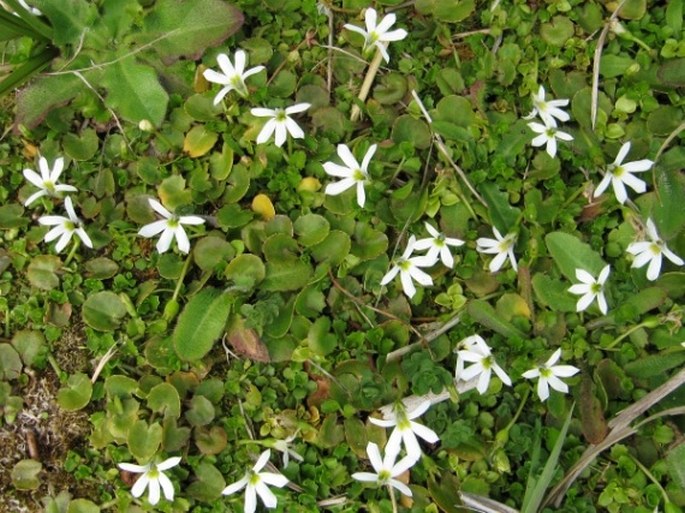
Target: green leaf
(42, 272)
(570, 254)
(201, 323)
(415, 131)
(655, 364)
(188, 27)
(502, 214)
(281, 276)
(25, 474)
(76, 394)
(83, 506)
(134, 91)
(12, 216)
(675, 460)
(43, 95)
(103, 311)
(485, 314)
(209, 252)
(30, 345)
(245, 270)
(70, 19)
(82, 147)
(368, 243)
(143, 441)
(553, 293)
(667, 210)
(558, 31)
(210, 482)
(10, 362)
(199, 141)
(101, 268)
(27, 70)
(311, 229)
(333, 249)
(40, 29)
(164, 398)
(201, 411)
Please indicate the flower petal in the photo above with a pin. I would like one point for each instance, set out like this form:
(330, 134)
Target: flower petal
(333, 189)
(295, 131)
(347, 157)
(266, 132)
(274, 479)
(250, 499)
(169, 463)
(267, 496)
(164, 242)
(234, 487)
(368, 156)
(424, 432)
(152, 229)
(167, 486)
(34, 178)
(262, 461)
(159, 208)
(215, 77)
(298, 107)
(403, 488)
(374, 454)
(140, 485)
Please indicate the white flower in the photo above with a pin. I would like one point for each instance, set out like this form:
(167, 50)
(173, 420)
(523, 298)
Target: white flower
(280, 123)
(409, 269)
(549, 375)
(376, 35)
(503, 246)
(353, 174)
(548, 110)
(153, 476)
(386, 469)
(483, 364)
(590, 289)
(467, 344)
(65, 227)
(619, 175)
(406, 430)
(255, 483)
(47, 180)
(171, 226)
(651, 251)
(548, 134)
(437, 245)
(283, 446)
(233, 77)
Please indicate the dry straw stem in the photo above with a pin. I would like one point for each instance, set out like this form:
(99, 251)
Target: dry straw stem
(596, 62)
(366, 85)
(620, 429)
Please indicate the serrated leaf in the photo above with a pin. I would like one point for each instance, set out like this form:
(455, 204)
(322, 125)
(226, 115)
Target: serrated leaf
(43, 95)
(134, 91)
(570, 253)
(190, 26)
(201, 323)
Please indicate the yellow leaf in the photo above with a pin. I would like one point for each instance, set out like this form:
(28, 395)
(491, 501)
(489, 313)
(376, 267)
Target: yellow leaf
(261, 204)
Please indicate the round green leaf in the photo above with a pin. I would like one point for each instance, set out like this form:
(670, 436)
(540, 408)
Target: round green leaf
(101, 268)
(201, 411)
(334, 248)
(76, 394)
(10, 362)
(25, 474)
(208, 252)
(415, 131)
(30, 345)
(83, 506)
(199, 141)
(103, 311)
(83, 147)
(311, 229)
(570, 254)
(245, 270)
(143, 441)
(164, 398)
(42, 272)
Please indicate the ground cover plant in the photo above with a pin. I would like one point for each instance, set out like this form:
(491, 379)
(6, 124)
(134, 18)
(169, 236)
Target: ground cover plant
(401, 256)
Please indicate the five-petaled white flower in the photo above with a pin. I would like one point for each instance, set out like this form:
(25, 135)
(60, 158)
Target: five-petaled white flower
(406, 430)
(548, 375)
(281, 123)
(408, 267)
(479, 354)
(47, 180)
(377, 34)
(233, 77)
(503, 246)
(548, 134)
(386, 469)
(351, 173)
(548, 110)
(437, 245)
(651, 251)
(171, 226)
(153, 477)
(255, 483)
(590, 289)
(65, 227)
(619, 175)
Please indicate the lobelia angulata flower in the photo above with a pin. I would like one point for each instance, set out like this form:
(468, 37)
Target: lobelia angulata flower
(408, 268)
(65, 227)
(386, 469)
(378, 34)
(548, 110)
(255, 483)
(438, 246)
(47, 180)
(152, 477)
(651, 251)
(352, 173)
(548, 375)
(590, 289)
(233, 76)
(170, 227)
(503, 247)
(548, 135)
(280, 124)
(619, 175)
(479, 354)
(406, 429)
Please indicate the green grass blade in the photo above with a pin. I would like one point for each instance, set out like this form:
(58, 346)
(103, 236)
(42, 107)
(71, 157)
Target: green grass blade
(40, 29)
(28, 69)
(536, 487)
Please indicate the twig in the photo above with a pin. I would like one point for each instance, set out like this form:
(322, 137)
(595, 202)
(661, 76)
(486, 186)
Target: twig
(445, 153)
(103, 361)
(329, 64)
(429, 337)
(596, 62)
(464, 35)
(366, 85)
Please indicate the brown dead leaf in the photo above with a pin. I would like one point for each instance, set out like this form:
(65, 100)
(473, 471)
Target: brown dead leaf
(247, 343)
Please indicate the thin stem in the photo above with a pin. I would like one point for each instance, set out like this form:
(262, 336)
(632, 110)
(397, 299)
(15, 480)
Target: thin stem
(393, 499)
(74, 247)
(626, 333)
(179, 282)
(651, 477)
(366, 85)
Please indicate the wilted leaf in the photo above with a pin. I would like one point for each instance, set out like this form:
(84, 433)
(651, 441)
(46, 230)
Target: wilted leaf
(246, 342)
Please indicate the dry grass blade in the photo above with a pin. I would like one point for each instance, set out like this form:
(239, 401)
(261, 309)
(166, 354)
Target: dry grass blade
(620, 429)
(483, 504)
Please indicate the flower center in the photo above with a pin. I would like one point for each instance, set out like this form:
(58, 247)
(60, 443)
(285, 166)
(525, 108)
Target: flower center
(373, 37)
(505, 244)
(618, 171)
(596, 288)
(655, 248)
(404, 265)
(153, 473)
(487, 362)
(280, 116)
(69, 226)
(550, 133)
(358, 175)
(172, 222)
(545, 372)
(49, 186)
(383, 476)
(254, 478)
